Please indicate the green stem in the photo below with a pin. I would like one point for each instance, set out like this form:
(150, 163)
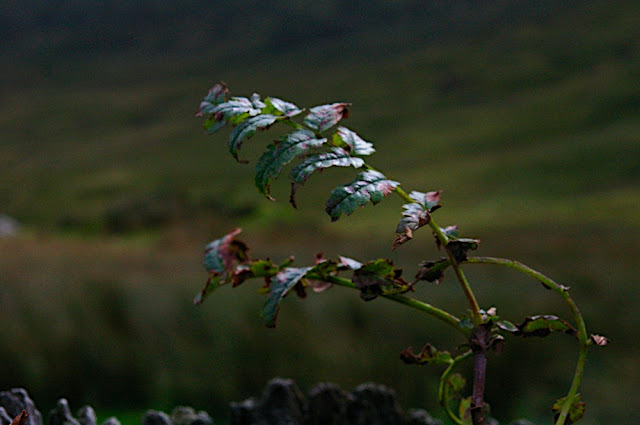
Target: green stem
(444, 240)
(443, 389)
(563, 291)
(439, 314)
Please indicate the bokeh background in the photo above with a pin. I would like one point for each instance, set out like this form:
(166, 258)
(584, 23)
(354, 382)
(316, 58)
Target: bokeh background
(526, 113)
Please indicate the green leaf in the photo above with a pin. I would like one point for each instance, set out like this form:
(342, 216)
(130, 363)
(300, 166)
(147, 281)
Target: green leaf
(214, 123)
(428, 355)
(280, 154)
(236, 106)
(464, 410)
(286, 108)
(337, 157)
(322, 117)
(457, 383)
(539, 326)
(354, 143)
(247, 129)
(576, 411)
(368, 186)
(281, 284)
(430, 200)
(217, 94)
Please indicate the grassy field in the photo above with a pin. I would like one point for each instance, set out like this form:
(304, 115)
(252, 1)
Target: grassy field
(531, 131)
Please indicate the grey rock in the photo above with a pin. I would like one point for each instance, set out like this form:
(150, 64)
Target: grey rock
(111, 421)
(5, 419)
(184, 415)
(87, 416)
(283, 403)
(421, 417)
(327, 405)
(154, 417)
(61, 414)
(374, 404)
(247, 412)
(16, 400)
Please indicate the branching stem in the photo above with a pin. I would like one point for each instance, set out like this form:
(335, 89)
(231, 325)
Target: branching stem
(563, 291)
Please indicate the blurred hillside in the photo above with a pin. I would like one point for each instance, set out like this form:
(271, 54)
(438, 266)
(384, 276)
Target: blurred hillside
(524, 112)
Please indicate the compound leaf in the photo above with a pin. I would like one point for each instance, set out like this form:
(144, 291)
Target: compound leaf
(354, 143)
(368, 186)
(280, 154)
(246, 129)
(322, 117)
(281, 284)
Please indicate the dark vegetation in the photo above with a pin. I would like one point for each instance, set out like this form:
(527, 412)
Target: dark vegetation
(534, 103)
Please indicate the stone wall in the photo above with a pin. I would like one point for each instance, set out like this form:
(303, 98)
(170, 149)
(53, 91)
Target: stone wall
(281, 403)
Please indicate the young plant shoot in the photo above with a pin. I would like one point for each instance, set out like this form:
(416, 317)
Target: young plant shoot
(318, 141)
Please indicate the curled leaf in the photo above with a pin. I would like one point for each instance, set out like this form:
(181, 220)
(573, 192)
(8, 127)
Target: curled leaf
(428, 355)
(460, 247)
(280, 154)
(416, 215)
(599, 340)
(432, 271)
(216, 95)
(221, 254)
(368, 186)
(323, 117)
(539, 326)
(378, 277)
(220, 257)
